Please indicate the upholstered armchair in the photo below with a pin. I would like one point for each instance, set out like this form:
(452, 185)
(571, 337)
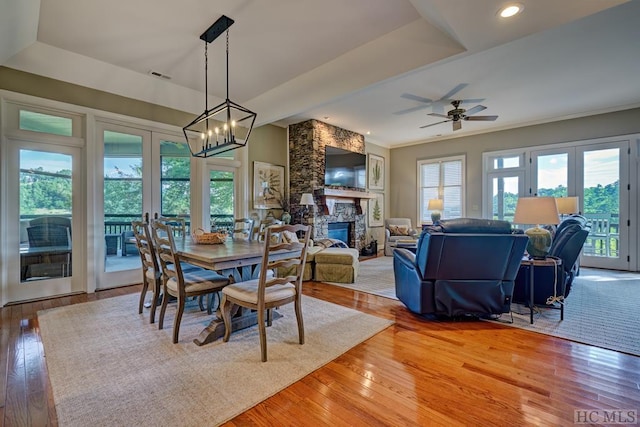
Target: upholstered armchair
(397, 229)
(464, 266)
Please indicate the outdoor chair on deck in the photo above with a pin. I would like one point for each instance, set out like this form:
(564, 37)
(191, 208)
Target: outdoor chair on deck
(267, 292)
(179, 283)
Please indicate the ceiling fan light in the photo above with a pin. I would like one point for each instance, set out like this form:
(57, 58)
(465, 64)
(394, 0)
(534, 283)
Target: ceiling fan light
(510, 10)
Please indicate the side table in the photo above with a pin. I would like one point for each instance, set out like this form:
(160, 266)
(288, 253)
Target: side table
(532, 263)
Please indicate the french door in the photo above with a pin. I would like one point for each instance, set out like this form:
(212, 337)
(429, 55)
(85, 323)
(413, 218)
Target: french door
(599, 175)
(142, 173)
(44, 228)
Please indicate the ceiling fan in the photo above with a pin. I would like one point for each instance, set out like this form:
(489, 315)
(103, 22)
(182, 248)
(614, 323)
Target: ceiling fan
(437, 106)
(457, 115)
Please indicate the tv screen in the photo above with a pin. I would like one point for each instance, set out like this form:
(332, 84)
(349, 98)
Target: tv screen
(344, 168)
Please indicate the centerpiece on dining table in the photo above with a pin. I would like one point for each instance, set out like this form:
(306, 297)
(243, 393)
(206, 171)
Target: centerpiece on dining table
(201, 237)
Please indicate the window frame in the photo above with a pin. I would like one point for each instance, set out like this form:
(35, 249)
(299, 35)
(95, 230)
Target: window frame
(440, 160)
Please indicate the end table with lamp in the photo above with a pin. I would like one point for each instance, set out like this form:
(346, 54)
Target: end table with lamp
(537, 210)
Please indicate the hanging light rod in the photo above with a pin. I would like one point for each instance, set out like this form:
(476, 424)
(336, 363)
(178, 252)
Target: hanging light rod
(214, 131)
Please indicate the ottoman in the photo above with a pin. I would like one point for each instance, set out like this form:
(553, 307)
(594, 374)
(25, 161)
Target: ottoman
(308, 266)
(338, 265)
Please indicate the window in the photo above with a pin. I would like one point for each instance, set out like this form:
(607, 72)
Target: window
(441, 179)
(175, 172)
(46, 123)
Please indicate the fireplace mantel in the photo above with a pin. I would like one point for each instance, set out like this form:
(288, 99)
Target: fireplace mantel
(330, 196)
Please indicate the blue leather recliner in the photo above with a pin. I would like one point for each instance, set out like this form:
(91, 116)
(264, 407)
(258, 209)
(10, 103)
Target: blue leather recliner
(464, 266)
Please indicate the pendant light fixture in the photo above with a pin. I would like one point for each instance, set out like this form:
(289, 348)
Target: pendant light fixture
(226, 126)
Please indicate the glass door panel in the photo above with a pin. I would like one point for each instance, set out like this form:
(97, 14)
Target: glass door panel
(605, 206)
(123, 198)
(222, 199)
(551, 175)
(175, 184)
(45, 215)
(44, 181)
(504, 197)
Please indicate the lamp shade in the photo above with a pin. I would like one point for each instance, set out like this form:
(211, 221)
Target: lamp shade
(307, 199)
(435, 205)
(536, 210)
(568, 205)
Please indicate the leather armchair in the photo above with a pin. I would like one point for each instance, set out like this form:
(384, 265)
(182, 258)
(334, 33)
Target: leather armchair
(567, 244)
(392, 228)
(464, 266)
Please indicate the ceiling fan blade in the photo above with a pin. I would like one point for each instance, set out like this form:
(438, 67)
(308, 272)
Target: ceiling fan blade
(481, 118)
(411, 110)
(438, 115)
(457, 125)
(454, 91)
(433, 124)
(416, 98)
(475, 109)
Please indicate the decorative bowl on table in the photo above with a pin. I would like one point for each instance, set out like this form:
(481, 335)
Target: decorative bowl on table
(201, 237)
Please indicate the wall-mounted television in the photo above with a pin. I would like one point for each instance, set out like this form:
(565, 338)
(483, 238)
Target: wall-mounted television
(344, 168)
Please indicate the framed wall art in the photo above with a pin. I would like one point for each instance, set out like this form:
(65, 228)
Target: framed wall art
(268, 185)
(376, 210)
(375, 173)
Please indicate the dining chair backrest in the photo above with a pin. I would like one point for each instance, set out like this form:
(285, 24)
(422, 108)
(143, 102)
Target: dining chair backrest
(277, 239)
(242, 229)
(166, 250)
(267, 222)
(48, 235)
(178, 224)
(146, 248)
(151, 273)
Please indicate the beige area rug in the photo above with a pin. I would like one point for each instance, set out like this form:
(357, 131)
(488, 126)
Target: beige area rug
(375, 277)
(109, 367)
(601, 309)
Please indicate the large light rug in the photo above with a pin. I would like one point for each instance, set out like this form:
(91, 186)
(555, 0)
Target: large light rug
(374, 277)
(601, 309)
(109, 367)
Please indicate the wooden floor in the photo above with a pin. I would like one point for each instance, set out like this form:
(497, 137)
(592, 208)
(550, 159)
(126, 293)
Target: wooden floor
(416, 372)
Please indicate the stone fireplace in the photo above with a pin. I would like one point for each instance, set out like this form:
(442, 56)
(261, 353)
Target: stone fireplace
(307, 142)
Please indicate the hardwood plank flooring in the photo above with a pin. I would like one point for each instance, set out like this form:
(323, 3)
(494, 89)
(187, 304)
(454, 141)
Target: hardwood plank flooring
(416, 372)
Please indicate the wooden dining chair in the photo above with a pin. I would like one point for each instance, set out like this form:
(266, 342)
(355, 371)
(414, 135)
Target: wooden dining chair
(177, 282)
(264, 224)
(267, 292)
(242, 229)
(151, 272)
(178, 224)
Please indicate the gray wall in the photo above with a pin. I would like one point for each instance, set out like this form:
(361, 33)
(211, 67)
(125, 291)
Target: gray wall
(403, 170)
(268, 143)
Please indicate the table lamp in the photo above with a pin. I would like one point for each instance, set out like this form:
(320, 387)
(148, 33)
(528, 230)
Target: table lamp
(568, 205)
(306, 200)
(537, 210)
(435, 206)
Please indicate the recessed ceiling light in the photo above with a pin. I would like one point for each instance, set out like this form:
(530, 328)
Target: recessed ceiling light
(510, 10)
(368, 132)
(326, 117)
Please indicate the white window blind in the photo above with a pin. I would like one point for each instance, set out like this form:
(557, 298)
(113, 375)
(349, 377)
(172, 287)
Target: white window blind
(441, 179)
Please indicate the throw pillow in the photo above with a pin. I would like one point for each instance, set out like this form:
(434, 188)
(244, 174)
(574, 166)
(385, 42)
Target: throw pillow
(289, 236)
(398, 230)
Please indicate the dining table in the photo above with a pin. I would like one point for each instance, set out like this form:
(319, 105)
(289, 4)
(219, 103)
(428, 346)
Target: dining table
(240, 260)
